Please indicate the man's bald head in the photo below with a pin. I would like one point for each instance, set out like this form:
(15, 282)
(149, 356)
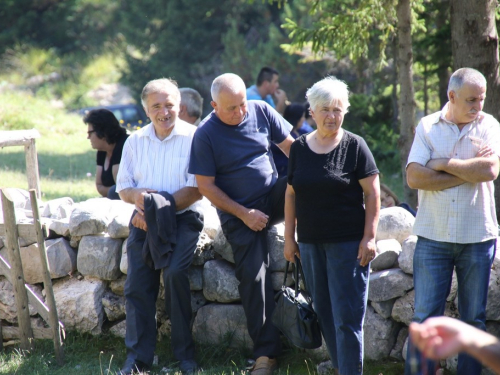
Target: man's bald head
(229, 82)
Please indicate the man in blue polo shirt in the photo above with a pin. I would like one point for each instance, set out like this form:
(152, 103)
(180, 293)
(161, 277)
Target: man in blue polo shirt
(231, 159)
(267, 89)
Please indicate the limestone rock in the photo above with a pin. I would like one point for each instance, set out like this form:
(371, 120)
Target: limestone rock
(114, 306)
(222, 247)
(277, 280)
(88, 220)
(8, 309)
(405, 259)
(20, 198)
(52, 208)
(379, 335)
(123, 258)
(204, 250)
(211, 222)
(388, 284)
(217, 323)
(397, 351)
(79, 304)
(60, 256)
(60, 227)
(387, 254)
(383, 308)
(198, 300)
(395, 222)
(119, 329)
(195, 275)
(404, 308)
(220, 283)
(275, 245)
(99, 256)
(118, 286)
(493, 303)
(121, 212)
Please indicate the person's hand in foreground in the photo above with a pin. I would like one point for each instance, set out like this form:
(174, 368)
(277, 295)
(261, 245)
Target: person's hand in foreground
(442, 337)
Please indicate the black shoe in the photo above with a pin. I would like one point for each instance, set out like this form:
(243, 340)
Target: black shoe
(188, 367)
(133, 366)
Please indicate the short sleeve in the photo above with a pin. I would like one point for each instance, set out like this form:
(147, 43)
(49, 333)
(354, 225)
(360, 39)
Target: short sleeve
(366, 165)
(420, 152)
(202, 160)
(291, 161)
(279, 127)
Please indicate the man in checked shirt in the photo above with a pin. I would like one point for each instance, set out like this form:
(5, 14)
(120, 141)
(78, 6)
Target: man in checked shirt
(453, 162)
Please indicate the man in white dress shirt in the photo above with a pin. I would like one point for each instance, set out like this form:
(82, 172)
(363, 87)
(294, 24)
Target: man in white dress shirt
(155, 160)
(453, 162)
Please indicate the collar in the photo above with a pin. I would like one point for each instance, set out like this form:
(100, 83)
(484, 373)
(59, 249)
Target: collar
(180, 128)
(444, 111)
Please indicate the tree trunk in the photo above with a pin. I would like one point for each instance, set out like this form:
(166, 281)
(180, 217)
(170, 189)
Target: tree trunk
(475, 45)
(406, 97)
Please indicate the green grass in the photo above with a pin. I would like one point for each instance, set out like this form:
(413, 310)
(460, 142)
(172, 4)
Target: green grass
(64, 154)
(104, 354)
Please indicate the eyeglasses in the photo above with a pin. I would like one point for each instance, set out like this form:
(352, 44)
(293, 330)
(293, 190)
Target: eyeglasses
(90, 132)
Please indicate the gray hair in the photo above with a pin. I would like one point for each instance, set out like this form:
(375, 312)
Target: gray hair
(463, 76)
(160, 85)
(192, 100)
(326, 91)
(228, 81)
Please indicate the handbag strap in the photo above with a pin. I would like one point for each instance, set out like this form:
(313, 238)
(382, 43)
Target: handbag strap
(298, 274)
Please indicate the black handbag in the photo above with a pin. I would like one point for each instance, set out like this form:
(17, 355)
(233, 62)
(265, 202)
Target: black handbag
(294, 314)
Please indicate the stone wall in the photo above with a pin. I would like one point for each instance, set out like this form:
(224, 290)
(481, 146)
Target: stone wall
(87, 246)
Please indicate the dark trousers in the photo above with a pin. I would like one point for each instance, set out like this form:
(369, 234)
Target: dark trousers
(141, 292)
(251, 257)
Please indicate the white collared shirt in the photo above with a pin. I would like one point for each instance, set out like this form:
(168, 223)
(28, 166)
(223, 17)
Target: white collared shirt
(150, 163)
(464, 213)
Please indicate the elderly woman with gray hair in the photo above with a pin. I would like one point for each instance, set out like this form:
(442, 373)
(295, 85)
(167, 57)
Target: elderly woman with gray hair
(333, 200)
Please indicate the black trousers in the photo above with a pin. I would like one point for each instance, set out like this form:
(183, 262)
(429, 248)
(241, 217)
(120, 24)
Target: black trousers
(142, 287)
(251, 257)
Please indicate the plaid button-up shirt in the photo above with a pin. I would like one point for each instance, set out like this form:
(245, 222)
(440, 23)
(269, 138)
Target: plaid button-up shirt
(465, 213)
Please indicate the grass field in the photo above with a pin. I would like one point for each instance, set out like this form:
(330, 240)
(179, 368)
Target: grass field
(104, 354)
(64, 153)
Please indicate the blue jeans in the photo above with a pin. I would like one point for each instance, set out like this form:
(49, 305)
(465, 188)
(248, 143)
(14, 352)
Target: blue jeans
(339, 288)
(433, 265)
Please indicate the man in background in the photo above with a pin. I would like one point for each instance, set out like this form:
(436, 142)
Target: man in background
(191, 106)
(267, 89)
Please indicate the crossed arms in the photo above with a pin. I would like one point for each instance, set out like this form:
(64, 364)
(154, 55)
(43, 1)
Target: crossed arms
(440, 174)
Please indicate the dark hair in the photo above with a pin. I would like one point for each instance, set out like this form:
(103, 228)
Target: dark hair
(293, 113)
(390, 193)
(266, 74)
(105, 124)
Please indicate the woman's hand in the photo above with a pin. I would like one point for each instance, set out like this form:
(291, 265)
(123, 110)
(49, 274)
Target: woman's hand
(290, 250)
(367, 251)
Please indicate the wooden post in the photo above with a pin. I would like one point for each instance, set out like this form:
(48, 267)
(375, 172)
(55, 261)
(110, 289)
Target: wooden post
(17, 279)
(47, 281)
(32, 167)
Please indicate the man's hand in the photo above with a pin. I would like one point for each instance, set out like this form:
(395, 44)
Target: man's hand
(280, 96)
(139, 199)
(485, 152)
(255, 220)
(139, 221)
(367, 250)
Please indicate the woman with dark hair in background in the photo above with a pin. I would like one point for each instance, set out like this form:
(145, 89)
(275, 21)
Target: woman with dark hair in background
(107, 137)
(295, 115)
(389, 199)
